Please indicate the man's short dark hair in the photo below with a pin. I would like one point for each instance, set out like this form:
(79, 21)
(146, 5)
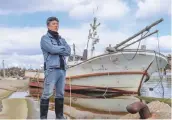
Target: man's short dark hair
(52, 19)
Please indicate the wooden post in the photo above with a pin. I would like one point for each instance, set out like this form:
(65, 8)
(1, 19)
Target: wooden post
(3, 64)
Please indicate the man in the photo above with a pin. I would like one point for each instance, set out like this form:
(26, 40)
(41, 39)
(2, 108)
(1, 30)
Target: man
(54, 49)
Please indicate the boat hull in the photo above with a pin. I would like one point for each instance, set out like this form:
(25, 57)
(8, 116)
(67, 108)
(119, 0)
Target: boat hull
(104, 105)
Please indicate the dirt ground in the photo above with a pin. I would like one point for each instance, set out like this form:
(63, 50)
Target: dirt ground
(159, 110)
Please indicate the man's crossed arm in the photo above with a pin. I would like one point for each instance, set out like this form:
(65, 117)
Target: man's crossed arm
(64, 49)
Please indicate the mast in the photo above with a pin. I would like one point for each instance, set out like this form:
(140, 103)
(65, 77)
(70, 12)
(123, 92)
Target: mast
(93, 35)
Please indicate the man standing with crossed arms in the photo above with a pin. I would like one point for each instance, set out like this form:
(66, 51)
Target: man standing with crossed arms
(54, 49)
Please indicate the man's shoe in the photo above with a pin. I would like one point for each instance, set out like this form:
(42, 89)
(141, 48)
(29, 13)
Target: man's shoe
(59, 103)
(44, 104)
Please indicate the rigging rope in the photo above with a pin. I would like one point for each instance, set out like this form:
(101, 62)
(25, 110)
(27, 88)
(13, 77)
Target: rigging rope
(160, 76)
(104, 95)
(137, 47)
(70, 95)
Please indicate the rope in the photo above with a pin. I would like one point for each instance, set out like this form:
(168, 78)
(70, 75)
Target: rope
(104, 95)
(137, 48)
(70, 94)
(160, 76)
(160, 81)
(37, 79)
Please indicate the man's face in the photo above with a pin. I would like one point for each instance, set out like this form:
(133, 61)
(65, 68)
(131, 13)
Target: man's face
(53, 25)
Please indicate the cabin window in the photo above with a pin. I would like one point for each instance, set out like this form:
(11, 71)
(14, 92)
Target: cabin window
(71, 58)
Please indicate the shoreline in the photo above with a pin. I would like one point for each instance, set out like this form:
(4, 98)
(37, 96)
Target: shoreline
(152, 99)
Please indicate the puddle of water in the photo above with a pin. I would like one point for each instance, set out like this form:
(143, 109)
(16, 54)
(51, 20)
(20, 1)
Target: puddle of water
(19, 95)
(15, 95)
(22, 108)
(0, 105)
(155, 89)
(14, 108)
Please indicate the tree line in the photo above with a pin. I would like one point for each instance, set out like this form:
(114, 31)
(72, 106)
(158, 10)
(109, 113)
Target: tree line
(14, 72)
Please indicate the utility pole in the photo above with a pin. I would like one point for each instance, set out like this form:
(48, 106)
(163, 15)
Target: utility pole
(74, 53)
(3, 65)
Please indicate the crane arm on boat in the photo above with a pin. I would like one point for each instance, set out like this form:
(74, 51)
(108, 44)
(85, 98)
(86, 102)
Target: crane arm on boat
(147, 28)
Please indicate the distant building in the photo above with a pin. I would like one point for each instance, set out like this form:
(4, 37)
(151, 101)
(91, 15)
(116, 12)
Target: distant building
(169, 61)
(168, 66)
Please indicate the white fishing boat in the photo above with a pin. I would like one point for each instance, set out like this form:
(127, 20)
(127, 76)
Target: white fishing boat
(119, 69)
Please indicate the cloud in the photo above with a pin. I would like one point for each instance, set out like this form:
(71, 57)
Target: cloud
(21, 46)
(76, 8)
(31, 6)
(149, 8)
(164, 43)
(105, 9)
(21, 40)
(151, 43)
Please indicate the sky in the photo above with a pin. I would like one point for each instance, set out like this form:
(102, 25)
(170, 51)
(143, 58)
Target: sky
(23, 22)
